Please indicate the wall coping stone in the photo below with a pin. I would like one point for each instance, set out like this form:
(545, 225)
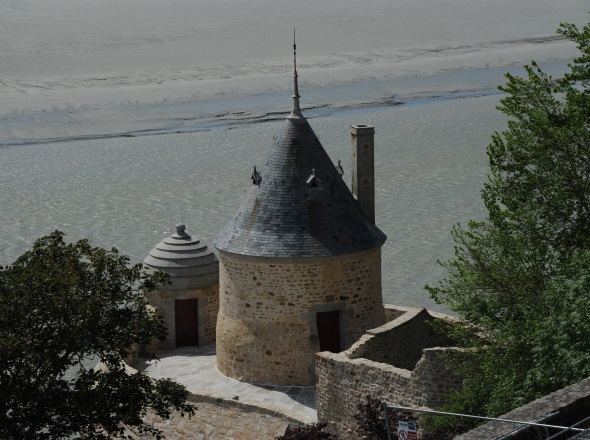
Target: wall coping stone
(400, 321)
(244, 405)
(250, 407)
(556, 401)
(341, 357)
(408, 315)
(406, 309)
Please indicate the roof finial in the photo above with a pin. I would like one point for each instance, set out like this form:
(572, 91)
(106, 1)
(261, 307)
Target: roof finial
(296, 109)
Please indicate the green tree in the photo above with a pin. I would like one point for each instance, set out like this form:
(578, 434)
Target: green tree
(519, 278)
(62, 306)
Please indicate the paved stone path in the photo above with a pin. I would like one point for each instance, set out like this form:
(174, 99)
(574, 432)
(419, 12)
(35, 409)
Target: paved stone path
(195, 368)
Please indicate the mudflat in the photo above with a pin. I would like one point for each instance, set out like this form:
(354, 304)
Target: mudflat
(74, 69)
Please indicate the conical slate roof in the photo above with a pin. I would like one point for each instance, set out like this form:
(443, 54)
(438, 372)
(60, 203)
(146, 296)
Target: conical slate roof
(189, 262)
(301, 207)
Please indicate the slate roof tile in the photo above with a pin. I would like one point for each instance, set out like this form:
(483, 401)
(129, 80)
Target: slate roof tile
(285, 217)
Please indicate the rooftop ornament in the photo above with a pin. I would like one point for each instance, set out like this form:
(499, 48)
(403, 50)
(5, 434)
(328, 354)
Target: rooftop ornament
(312, 180)
(296, 113)
(256, 177)
(180, 230)
(340, 169)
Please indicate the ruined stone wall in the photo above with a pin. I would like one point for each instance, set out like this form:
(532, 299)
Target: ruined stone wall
(344, 383)
(267, 330)
(208, 306)
(344, 379)
(401, 341)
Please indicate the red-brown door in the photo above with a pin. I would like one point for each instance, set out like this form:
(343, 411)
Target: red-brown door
(186, 311)
(329, 331)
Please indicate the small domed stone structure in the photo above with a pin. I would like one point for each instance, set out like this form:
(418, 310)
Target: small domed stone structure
(300, 265)
(189, 304)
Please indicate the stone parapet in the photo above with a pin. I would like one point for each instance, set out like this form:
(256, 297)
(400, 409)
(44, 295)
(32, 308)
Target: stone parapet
(218, 421)
(221, 417)
(292, 417)
(401, 341)
(344, 379)
(569, 405)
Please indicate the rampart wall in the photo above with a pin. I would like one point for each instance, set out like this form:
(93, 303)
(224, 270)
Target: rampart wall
(398, 362)
(401, 341)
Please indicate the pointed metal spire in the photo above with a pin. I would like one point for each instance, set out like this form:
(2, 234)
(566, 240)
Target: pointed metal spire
(296, 113)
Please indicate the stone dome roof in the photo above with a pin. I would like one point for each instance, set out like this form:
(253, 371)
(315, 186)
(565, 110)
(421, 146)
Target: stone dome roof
(189, 262)
(298, 204)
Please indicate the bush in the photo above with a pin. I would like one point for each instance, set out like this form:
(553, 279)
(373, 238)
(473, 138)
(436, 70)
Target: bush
(371, 420)
(371, 423)
(313, 431)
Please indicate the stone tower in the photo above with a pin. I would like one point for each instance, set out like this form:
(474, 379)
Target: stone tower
(300, 265)
(189, 304)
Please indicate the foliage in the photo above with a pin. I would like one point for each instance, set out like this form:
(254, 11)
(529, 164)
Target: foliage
(313, 431)
(371, 422)
(370, 419)
(519, 278)
(62, 307)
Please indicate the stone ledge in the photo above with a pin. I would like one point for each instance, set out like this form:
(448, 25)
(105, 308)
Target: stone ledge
(250, 406)
(326, 356)
(576, 395)
(407, 315)
(400, 321)
(206, 396)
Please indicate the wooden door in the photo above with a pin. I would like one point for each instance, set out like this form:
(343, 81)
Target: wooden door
(186, 312)
(329, 331)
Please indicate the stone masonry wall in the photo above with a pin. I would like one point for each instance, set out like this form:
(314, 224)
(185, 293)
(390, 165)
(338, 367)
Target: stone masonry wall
(208, 306)
(212, 310)
(394, 312)
(267, 330)
(400, 342)
(344, 379)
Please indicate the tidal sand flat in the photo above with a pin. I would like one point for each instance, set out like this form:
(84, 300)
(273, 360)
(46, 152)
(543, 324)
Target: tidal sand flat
(89, 69)
(119, 119)
(130, 192)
